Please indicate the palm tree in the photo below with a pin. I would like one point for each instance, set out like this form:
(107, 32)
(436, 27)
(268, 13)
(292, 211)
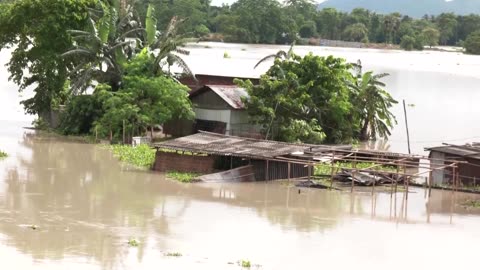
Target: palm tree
(112, 40)
(373, 104)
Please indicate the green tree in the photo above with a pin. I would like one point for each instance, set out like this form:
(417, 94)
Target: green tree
(407, 43)
(472, 43)
(144, 100)
(447, 25)
(431, 36)
(297, 93)
(309, 29)
(356, 32)
(373, 104)
(38, 33)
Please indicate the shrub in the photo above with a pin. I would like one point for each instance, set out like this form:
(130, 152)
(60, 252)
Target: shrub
(472, 43)
(79, 115)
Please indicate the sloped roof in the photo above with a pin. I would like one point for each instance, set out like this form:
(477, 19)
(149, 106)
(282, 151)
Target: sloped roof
(224, 145)
(231, 94)
(468, 150)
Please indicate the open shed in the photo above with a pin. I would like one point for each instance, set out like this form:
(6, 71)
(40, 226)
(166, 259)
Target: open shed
(207, 152)
(468, 158)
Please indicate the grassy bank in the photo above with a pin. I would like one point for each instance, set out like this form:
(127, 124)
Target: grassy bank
(141, 156)
(3, 154)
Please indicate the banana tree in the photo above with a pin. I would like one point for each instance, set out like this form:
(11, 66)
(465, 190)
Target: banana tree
(373, 104)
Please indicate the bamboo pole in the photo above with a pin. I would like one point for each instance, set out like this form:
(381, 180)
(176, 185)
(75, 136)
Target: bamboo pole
(406, 125)
(353, 173)
(123, 132)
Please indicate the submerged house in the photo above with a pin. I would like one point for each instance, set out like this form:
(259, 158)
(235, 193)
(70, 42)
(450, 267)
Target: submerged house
(467, 158)
(219, 109)
(253, 159)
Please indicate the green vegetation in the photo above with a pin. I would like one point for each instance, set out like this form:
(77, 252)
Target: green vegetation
(472, 43)
(133, 242)
(326, 169)
(174, 254)
(245, 264)
(182, 177)
(471, 204)
(140, 156)
(3, 154)
(226, 55)
(317, 99)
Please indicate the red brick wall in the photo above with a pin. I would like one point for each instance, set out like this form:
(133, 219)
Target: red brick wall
(165, 162)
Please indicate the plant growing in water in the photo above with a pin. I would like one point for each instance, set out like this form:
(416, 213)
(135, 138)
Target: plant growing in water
(182, 177)
(133, 242)
(3, 154)
(141, 156)
(245, 264)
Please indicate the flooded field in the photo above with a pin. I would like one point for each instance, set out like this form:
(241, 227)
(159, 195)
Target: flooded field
(67, 205)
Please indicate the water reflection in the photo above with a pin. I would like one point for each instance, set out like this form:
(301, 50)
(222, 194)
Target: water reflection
(87, 205)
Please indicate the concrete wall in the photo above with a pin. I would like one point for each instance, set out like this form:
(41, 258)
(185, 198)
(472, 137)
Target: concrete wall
(165, 162)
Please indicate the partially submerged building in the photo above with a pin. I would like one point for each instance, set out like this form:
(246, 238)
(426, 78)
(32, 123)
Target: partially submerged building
(467, 158)
(219, 109)
(207, 153)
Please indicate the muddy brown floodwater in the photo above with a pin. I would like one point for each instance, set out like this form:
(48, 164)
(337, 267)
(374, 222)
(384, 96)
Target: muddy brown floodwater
(67, 205)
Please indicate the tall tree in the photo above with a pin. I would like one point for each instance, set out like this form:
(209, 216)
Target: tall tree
(38, 32)
(373, 104)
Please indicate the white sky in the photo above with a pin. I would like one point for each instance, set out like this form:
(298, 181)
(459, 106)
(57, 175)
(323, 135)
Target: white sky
(220, 2)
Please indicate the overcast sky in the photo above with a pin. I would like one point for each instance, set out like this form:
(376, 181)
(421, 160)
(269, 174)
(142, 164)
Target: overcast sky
(220, 2)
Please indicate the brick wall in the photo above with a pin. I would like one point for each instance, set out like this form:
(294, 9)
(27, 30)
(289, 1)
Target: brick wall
(183, 163)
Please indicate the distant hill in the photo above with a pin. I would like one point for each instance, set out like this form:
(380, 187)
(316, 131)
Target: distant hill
(414, 8)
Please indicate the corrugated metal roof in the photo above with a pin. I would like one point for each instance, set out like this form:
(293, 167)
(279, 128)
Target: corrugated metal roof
(231, 94)
(470, 151)
(217, 144)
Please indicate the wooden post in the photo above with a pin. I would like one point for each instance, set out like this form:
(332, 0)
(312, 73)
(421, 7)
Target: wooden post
(111, 136)
(333, 170)
(96, 133)
(430, 183)
(353, 171)
(406, 125)
(474, 182)
(289, 171)
(231, 162)
(266, 171)
(406, 181)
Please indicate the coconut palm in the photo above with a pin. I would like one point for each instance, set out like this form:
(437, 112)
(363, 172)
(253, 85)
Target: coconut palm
(373, 104)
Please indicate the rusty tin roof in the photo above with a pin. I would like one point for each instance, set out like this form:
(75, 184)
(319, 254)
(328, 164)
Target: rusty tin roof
(231, 94)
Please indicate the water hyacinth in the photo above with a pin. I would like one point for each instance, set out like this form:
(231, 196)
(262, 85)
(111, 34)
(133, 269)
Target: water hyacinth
(140, 156)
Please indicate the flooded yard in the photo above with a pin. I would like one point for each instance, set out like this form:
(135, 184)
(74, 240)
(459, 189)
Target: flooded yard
(68, 205)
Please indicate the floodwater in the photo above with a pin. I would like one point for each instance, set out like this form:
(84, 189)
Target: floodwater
(85, 206)
(442, 88)
(67, 205)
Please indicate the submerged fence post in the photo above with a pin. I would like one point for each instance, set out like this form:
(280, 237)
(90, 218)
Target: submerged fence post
(266, 171)
(289, 170)
(353, 172)
(333, 170)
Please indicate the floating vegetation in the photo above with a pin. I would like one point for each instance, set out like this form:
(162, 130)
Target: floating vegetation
(33, 227)
(3, 154)
(174, 254)
(471, 204)
(133, 242)
(182, 177)
(226, 55)
(245, 264)
(140, 156)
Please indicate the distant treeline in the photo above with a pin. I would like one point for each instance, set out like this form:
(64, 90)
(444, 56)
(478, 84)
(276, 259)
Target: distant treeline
(274, 22)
